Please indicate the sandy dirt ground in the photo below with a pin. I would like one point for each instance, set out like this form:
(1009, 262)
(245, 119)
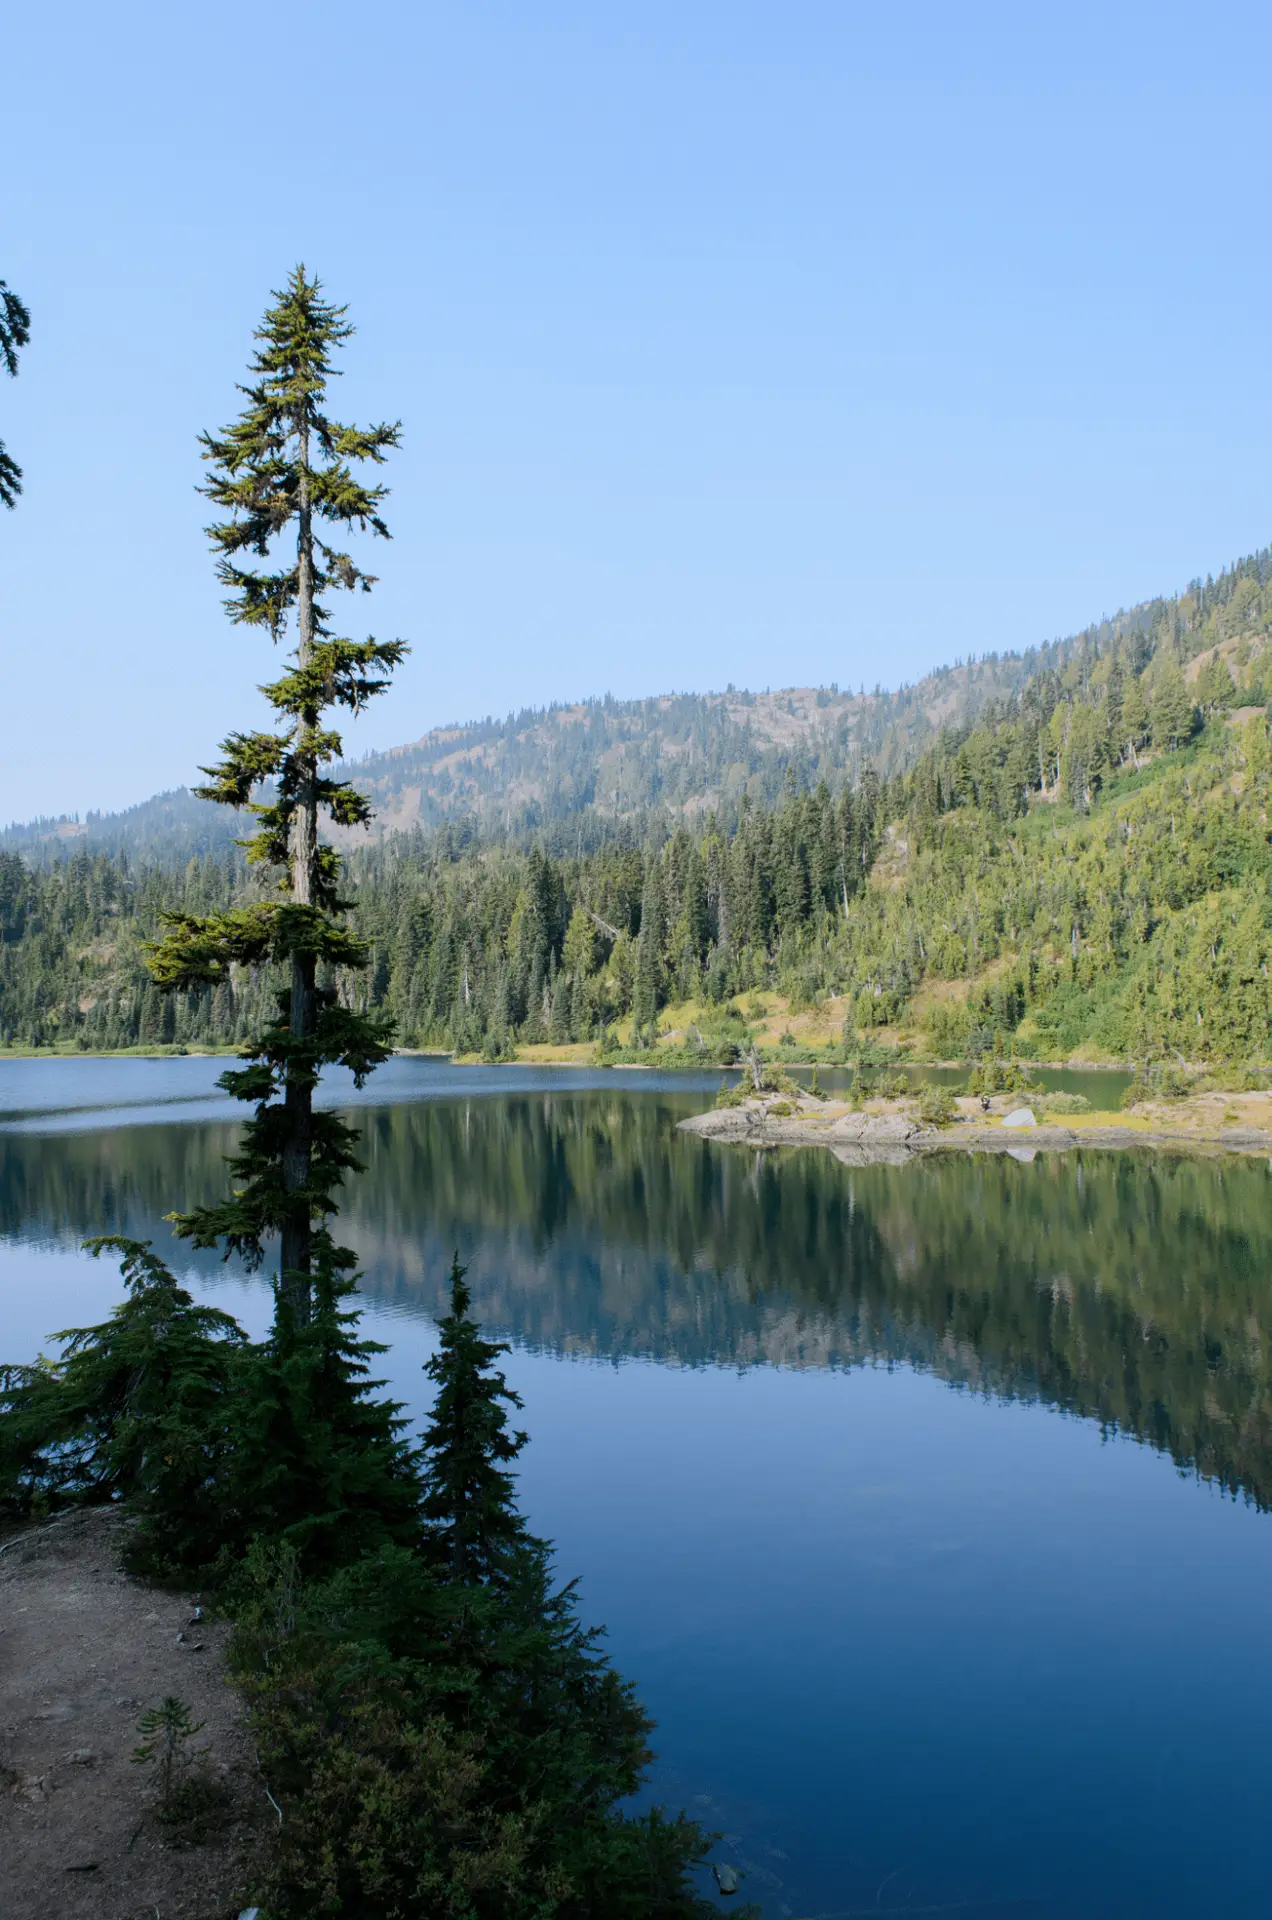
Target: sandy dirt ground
(84, 1651)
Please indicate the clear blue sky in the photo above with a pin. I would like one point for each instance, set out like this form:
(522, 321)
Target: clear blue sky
(775, 344)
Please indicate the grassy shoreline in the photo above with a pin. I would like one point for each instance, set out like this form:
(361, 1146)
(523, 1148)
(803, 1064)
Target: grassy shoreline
(671, 1058)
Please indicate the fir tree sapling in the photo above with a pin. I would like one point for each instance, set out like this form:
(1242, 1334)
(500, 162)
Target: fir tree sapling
(166, 1732)
(282, 471)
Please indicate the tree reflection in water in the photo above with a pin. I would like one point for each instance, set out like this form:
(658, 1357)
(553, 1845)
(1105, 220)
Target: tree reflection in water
(1129, 1289)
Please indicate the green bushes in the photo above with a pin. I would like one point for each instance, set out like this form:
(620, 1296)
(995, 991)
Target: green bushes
(936, 1106)
(1063, 1103)
(1157, 1081)
(1000, 1076)
(893, 1085)
(138, 1408)
(214, 1441)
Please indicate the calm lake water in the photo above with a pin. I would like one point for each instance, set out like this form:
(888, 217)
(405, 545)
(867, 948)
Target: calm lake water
(926, 1505)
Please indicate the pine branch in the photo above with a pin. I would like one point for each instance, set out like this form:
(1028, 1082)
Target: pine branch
(15, 332)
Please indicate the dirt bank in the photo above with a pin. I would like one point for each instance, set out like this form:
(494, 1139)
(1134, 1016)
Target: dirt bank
(84, 1651)
(890, 1132)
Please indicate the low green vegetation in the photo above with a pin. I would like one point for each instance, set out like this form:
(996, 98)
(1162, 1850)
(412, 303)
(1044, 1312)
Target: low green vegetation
(936, 1106)
(167, 1736)
(1061, 1103)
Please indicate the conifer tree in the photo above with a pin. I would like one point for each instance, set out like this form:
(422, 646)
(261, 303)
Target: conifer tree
(15, 332)
(467, 1449)
(1214, 684)
(138, 1408)
(648, 990)
(1172, 708)
(281, 472)
(1134, 718)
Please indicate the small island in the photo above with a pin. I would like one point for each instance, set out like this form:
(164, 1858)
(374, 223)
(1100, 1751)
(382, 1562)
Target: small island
(893, 1131)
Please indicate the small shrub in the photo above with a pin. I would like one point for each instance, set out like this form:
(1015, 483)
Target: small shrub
(1000, 1076)
(1159, 1082)
(1233, 1080)
(167, 1731)
(1064, 1103)
(781, 1109)
(887, 1086)
(773, 1080)
(936, 1106)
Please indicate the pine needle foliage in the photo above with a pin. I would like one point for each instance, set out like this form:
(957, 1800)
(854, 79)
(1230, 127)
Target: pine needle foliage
(283, 473)
(217, 1443)
(15, 332)
(322, 1467)
(166, 1732)
(468, 1447)
(444, 1735)
(138, 1408)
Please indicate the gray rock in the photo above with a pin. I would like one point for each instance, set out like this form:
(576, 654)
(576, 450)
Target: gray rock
(883, 1129)
(1020, 1117)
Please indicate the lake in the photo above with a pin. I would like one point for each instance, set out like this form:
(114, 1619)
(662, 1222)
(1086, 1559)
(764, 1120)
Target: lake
(926, 1505)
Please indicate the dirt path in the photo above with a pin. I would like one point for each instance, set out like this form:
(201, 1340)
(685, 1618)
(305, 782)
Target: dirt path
(84, 1651)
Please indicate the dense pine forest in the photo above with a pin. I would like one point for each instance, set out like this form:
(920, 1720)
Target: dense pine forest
(1085, 866)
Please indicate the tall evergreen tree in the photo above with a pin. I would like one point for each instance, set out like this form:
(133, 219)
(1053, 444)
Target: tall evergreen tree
(282, 470)
(15, 332)
(648, 993)
(1172, 708)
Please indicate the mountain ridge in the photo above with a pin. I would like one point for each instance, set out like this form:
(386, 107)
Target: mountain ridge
(599, 761)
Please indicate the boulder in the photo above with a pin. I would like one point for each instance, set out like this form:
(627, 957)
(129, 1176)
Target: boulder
(1021, 1117)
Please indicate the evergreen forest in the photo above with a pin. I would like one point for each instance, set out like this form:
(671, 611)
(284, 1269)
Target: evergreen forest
(1082, 868)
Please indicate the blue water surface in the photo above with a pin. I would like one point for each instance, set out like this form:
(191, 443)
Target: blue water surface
(924, 1506)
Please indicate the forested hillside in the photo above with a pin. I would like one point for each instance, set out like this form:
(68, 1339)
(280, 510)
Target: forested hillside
(1086, 866)
(567, 776)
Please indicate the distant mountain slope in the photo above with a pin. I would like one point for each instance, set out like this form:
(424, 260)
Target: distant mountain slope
(675, 754)
(568, 774)
(172, 827)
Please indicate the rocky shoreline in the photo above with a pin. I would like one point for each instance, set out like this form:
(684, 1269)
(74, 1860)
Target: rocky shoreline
(890, 1134)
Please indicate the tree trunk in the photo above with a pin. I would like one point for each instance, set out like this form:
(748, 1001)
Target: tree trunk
(298, 1099)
